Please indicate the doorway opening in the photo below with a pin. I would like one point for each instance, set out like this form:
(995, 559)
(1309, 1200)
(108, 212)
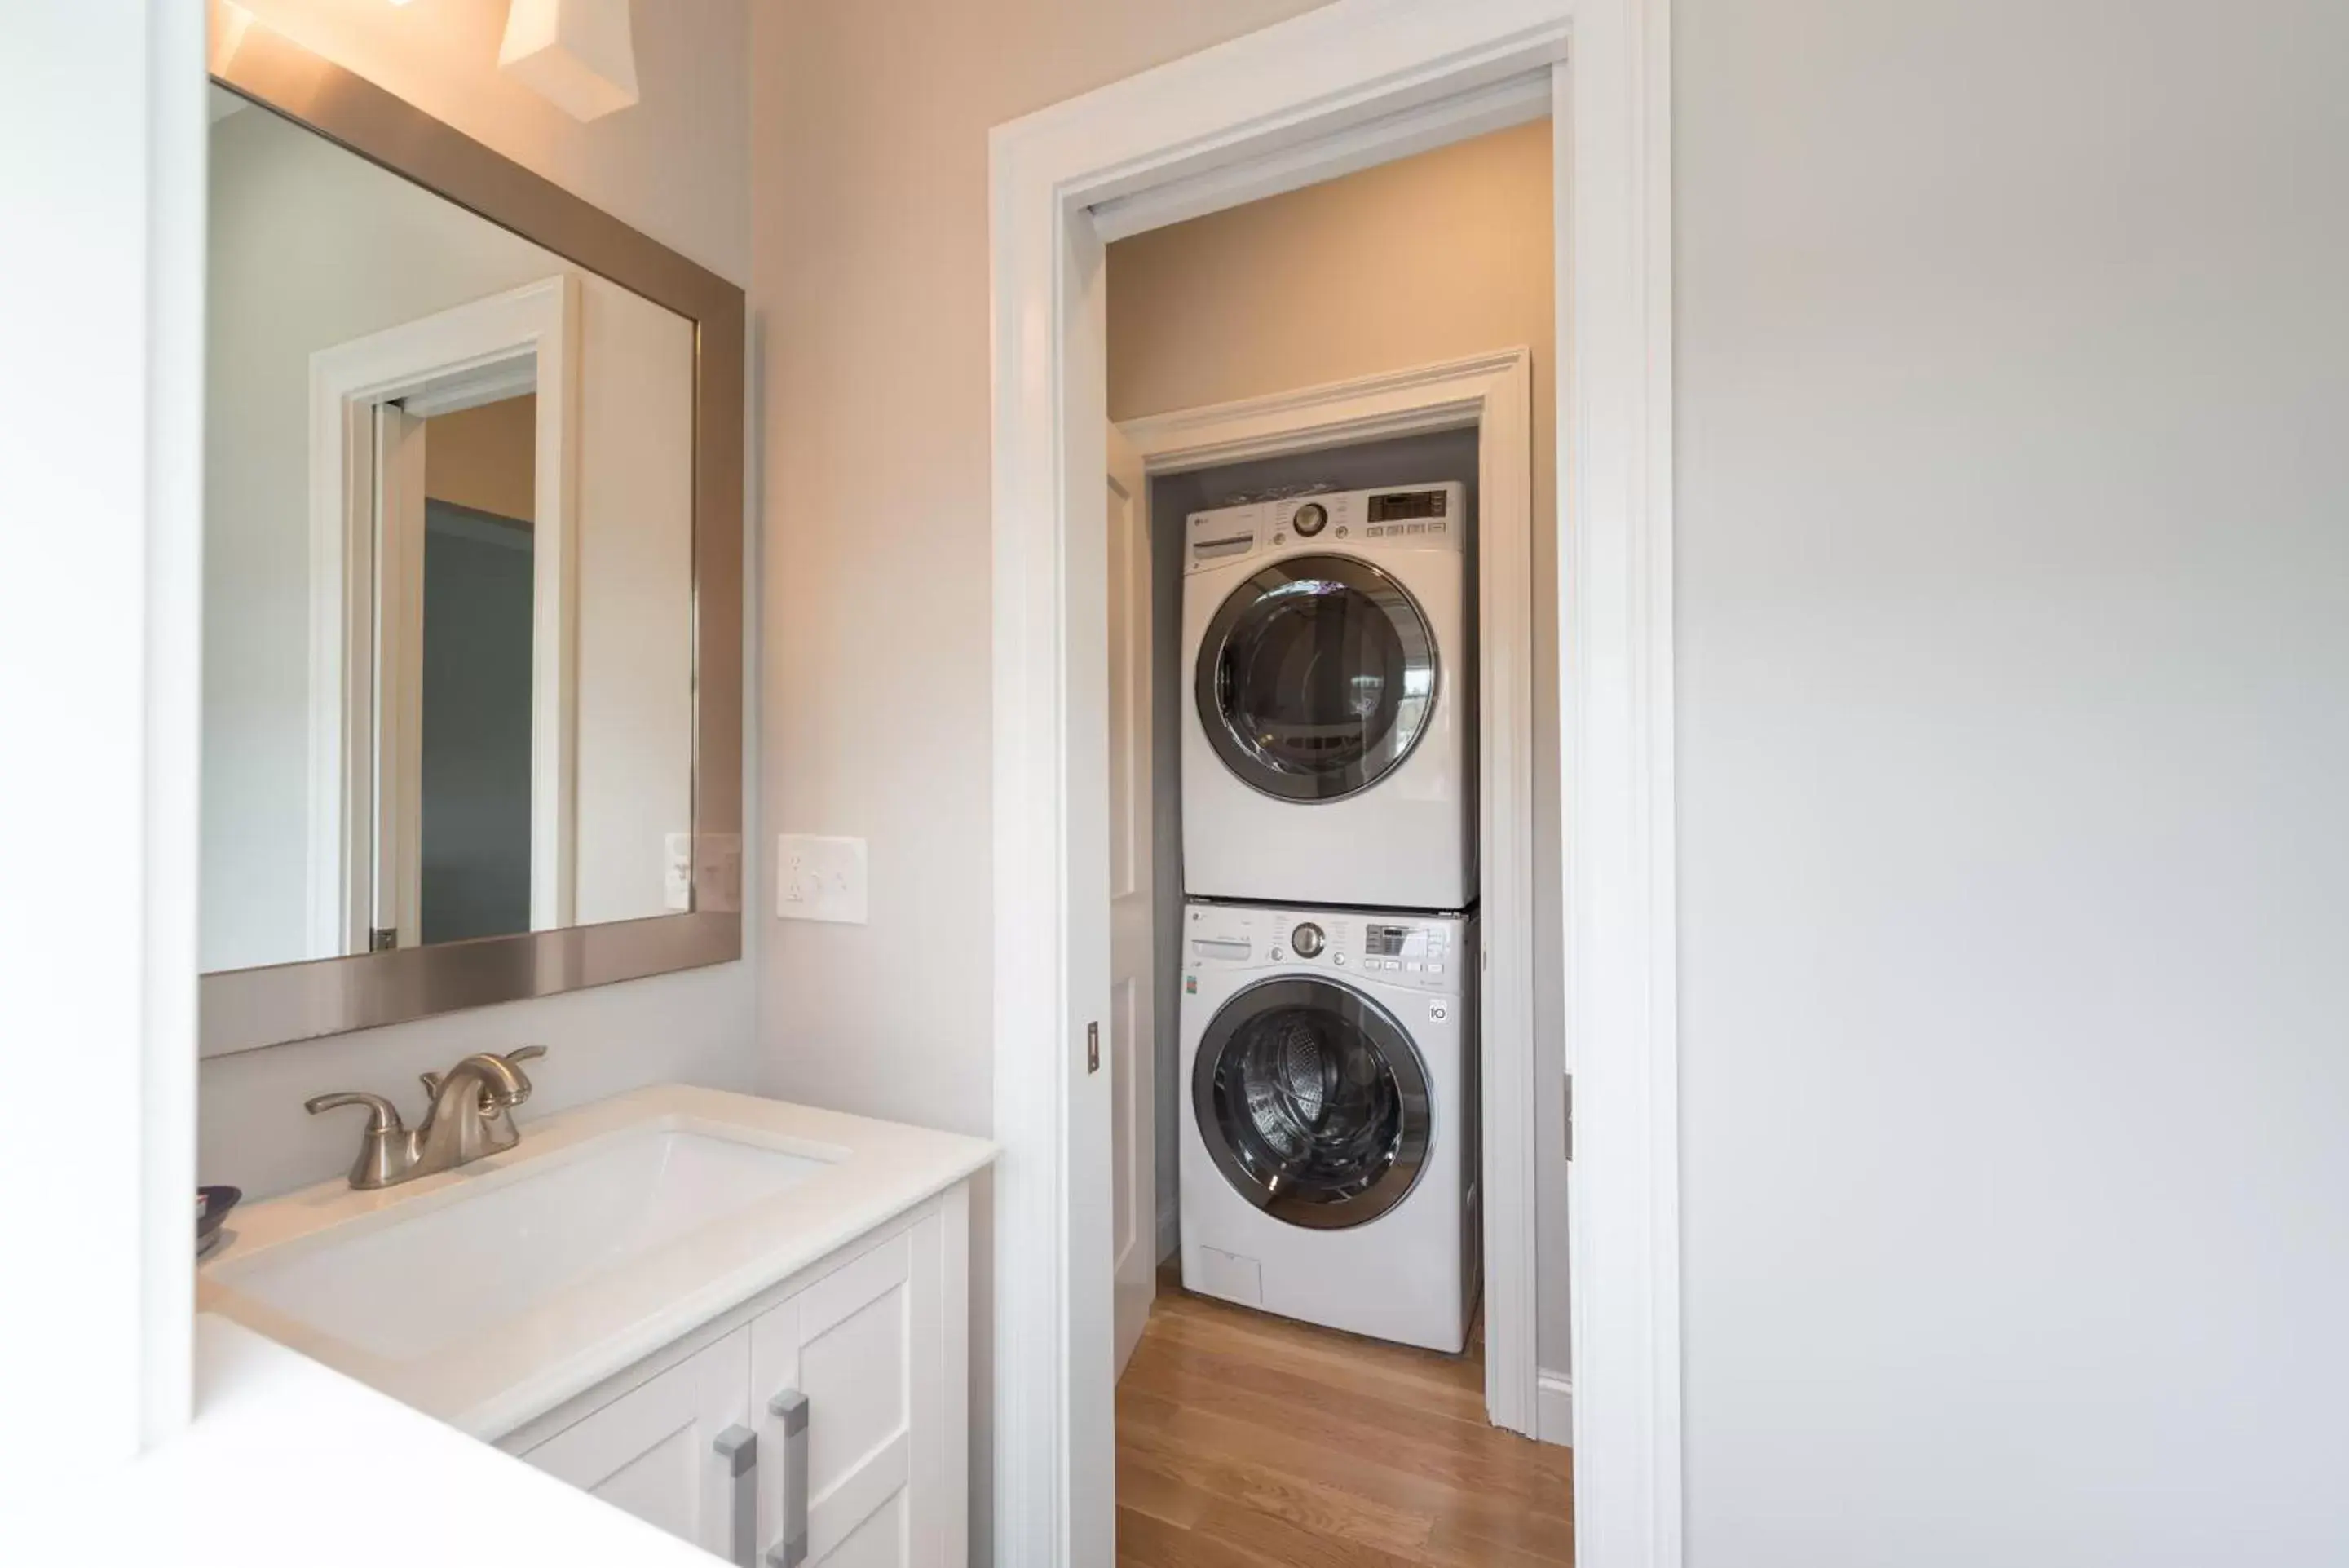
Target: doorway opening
(1318, 1156)
(1340, 88)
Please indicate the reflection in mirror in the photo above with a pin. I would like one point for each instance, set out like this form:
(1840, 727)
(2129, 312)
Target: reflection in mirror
(448, 573)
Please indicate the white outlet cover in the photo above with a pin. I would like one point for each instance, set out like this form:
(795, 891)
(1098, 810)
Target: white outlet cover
(677, 871)
(820, 879)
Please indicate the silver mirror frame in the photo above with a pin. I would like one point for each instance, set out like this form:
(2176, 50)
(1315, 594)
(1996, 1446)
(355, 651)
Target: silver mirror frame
(245, 1010)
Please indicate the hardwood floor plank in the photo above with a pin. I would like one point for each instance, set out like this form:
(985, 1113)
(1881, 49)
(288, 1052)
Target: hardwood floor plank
(1312, 1505)
(1149, 1542)
(1163, 1492)
(1456, 1392)
(1472, 1467)
(1541, 1543)
(1247, 1441)
(1340, 1391)
(1295, 1546)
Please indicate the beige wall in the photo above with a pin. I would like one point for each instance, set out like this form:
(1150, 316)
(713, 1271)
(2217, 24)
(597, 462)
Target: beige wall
(482, 457)
(869, 174)
(694, 1027)
(1429, 258)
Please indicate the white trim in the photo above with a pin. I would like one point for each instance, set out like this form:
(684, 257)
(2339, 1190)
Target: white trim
(395, 757)
(1554, 1419)
(1494, 392)
(1421, 129)
(1253, 98)
(524, 337)
(1613, 130)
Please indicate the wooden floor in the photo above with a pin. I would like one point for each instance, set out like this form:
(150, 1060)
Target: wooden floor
(1249, 1441)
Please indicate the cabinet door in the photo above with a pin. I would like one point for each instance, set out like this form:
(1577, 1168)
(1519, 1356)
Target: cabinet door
(654, 1452)
(868, 1478)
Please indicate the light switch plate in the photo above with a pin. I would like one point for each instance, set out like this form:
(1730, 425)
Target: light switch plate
(820, 879)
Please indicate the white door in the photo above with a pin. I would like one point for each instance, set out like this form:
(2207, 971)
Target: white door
(1132, 1045)
(850, 1383)
(669, 1451)
(397, 851)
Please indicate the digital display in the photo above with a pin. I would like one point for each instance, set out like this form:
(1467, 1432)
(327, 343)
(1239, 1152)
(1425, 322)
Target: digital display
(1403, 503)
(1385, 941)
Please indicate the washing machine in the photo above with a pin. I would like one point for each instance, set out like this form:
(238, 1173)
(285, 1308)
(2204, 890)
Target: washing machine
(1330, 1151)
(1329, 740)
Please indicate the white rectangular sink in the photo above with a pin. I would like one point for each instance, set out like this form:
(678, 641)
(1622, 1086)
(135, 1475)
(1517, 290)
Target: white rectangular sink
(404, 1288)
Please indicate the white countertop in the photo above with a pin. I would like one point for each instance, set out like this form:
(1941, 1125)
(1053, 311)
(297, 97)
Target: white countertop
(492, 1382)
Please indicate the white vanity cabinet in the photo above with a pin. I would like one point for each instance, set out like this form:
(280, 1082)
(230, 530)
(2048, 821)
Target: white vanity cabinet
(851, 1380)
(654, 1452)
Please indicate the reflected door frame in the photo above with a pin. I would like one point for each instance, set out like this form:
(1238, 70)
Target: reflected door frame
(368, 401)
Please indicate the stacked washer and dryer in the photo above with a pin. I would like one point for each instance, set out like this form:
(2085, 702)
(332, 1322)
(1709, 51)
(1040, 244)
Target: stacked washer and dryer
(1329, 949)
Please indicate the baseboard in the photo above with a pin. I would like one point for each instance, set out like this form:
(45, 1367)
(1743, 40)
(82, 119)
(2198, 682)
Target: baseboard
(1554, 1408)
(1170, 1233)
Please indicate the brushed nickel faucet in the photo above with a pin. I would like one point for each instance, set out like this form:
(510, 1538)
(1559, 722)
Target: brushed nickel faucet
(472, 1115)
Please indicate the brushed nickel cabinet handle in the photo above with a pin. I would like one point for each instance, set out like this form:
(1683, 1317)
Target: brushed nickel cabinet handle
(738, 1447)
(791, 1406)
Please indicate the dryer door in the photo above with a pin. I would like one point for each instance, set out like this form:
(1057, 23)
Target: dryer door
(1316, 677)
(1313, 1101)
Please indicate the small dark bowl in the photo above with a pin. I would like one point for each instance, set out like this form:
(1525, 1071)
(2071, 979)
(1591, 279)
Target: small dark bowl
(218, 1201)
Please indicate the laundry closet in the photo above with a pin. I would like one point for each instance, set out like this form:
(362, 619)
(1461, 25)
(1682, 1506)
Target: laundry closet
(1314, 690)
(1339, 1177)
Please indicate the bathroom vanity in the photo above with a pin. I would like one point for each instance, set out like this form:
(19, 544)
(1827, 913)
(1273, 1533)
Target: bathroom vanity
(473, 735)
(743, 1321)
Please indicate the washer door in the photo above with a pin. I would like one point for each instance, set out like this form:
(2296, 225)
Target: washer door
(1316, 677)
(1313, 1101)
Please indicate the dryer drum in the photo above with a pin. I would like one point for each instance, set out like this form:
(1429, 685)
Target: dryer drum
(1316, 677)
(1313, 1101)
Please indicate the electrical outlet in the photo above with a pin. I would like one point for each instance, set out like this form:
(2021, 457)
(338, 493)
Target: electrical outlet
(677, 871)
(820, 879)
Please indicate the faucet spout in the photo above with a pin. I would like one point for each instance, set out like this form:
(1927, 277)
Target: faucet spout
(472, 1110)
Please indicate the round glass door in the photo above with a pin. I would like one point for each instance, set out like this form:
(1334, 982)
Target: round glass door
(1313, 1103)
(1316, 677)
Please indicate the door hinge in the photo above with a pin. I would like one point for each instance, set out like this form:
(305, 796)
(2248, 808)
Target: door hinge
(1093, 1047)
(1568, 1098)
(382, 938)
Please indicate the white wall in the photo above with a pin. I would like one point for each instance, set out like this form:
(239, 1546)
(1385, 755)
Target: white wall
(635, 645)
(674, 166)
(101, 320)
(1427, 258)
(2013, 603)
(869, 170)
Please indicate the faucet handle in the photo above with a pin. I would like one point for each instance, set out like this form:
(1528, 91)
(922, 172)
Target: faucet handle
(383, 1117)
(524, 1053)
(388, 1152)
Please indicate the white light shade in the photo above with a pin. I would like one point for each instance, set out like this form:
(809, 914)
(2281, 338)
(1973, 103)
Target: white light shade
(576, 54)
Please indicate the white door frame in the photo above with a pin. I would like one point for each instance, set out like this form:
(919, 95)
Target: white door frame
(523, 339)
(1494, 394)
(1305, 93)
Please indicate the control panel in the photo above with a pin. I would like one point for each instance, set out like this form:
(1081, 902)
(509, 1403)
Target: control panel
(1408, 516)
(1428, 952)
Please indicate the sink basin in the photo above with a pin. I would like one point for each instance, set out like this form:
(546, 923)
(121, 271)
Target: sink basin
(406, 1288)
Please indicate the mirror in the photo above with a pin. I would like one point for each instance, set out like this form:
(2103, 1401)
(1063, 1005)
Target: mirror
(458, 521)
